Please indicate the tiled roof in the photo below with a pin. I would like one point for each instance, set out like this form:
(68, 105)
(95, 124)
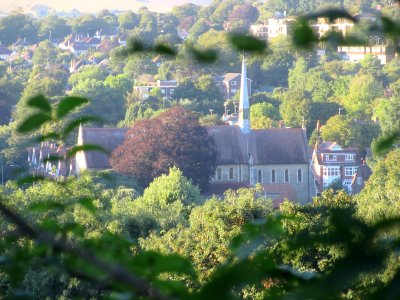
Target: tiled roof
(108, 138)
(267, 146)
(230, 76)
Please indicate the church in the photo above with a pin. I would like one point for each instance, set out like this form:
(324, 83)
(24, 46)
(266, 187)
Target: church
(276, 158)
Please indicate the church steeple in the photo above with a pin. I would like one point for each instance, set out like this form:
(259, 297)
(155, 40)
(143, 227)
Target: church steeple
(244, 107)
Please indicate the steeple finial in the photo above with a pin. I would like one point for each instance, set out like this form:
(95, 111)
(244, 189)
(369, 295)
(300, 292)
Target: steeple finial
(244, 107)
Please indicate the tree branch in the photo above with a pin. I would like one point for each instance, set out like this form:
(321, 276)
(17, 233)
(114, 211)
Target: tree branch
(116, 272)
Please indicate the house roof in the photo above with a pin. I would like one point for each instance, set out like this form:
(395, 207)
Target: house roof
(230, 76)
(108, 138)
(80, 46)
(4, 51)
(266, 146)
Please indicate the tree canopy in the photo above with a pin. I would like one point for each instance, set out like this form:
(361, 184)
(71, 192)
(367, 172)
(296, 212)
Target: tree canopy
(173, 138)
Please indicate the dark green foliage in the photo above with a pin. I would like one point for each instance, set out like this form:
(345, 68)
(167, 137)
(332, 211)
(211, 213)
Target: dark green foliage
(79, 238)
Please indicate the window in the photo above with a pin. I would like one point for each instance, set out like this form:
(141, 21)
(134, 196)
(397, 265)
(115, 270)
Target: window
(233, 82)
(219, 174)
(330, 157)
(273, 176)
(171, 91)
(350, 171)
(259, 176)
(350, 157)
(233, 90)
(230, 173)
(299, 176)
(163, 91)
(331, 171)
(286, 175)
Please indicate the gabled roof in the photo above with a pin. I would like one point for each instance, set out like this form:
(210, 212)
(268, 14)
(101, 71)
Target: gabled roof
(266, 146)
(4, 51)
(108, 138)
(230, 76)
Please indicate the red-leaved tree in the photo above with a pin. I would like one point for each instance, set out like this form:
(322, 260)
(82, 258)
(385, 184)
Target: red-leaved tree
(174, 138)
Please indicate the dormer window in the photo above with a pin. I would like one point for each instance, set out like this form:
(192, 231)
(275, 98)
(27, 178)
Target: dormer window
(330, 157)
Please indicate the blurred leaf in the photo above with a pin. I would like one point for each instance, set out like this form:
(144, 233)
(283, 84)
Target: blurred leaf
(205, 56)
(151, 264)
(336, 39)
(33, 122)
(332, 14)
(50, 225)
(45, 205)
(75, 123)
(164, 49)
(135, 46)
(40, 102)
(49, 136)
(247, 43)
(86, 147)
(385, 143)
(52, 158)
(303, 35)
(30, 179)
(68, 104)
(88, 204)
(389, 26)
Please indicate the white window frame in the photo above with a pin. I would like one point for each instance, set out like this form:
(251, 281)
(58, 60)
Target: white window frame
(233, 82)
(329, 156)
(349, 157)
(350, 171)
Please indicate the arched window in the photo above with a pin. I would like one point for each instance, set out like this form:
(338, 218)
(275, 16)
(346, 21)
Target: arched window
(286, 175)
(219, 174)
(273, 176)
(299, 176)
(230, 173)
(259, 176)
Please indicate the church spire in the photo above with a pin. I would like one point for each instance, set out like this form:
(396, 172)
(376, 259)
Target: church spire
(244, 107)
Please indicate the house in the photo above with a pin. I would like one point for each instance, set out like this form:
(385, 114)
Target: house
(277, 158)
(49, 160)
(275, 27)
(4, 53)
(357, 53)
(75, 44)
(106, 45)
(167, 88)
(108, 138)
(331, 163)
(229, 83)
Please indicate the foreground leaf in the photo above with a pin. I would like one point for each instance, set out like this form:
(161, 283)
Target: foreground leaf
(86, 147)
(68, 104)
(33, 122)
(40, 102)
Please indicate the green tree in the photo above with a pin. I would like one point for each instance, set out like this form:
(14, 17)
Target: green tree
(211, 226)
(363, 90)
(380, 197)
(349, 133)
(295, 109)
(53, 27)
(17, 25)
(263, 115)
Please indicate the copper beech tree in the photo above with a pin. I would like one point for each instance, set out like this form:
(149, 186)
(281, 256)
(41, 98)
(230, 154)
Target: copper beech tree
(173, 138)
